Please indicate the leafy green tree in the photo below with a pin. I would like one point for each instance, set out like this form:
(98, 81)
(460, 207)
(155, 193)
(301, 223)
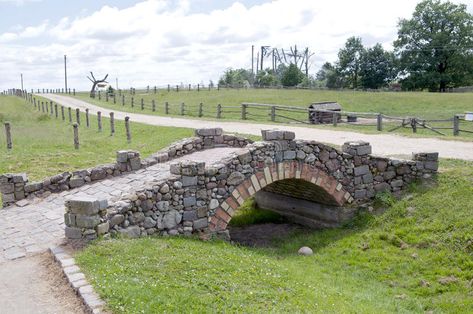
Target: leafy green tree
(377, 67)
(349, 59)
(292, 76)
(267, 78)
(435, 46)
(329, 76)
(236, 77)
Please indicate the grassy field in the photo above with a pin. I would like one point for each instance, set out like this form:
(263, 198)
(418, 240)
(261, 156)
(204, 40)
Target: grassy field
(401, 104)
(43, 145)
(416, 258)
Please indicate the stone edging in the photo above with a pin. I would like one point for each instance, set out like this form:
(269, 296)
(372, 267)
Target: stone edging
(76, 279)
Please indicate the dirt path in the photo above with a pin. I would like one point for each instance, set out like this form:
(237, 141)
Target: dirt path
(383, 144)
(35, 285)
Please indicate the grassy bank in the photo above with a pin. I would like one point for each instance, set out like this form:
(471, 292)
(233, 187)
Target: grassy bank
(43, 145)
(416, 257)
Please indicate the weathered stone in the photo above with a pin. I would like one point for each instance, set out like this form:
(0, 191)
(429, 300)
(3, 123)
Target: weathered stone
(19, 178)
(361, 170)
(305, 250)
(130, 232)
(360, 194)
(7, 188)
(171, 219)
(122, 156)
(189, 201)
(70, 219)
(163, 206)
(98, 173)
(431, 165)
(368, 178)
(200, 223)
(135, 163)
(213, 204)
(289, 155)
(235, 178)
(397, 183)
(73, 233)
(382, 187)
(76, 182)
(149, 223)
(103, 228)
(388, 175)
(245, 157)
(89, 222)
(116, 220)
(189, 215)
(83, 206)
(189, 181)
(137, 217)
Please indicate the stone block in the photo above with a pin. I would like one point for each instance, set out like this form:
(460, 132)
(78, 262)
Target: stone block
(382, 187)
(431, 165)
(83, 206)
(116, 220)
(368, 178)
(33, 187)
(272, 135)
(433, 156)
(76, 182)
(288, 135)
(361, 170)
(135, 163)
(201, 223)
(7, 188)
(73, 233)
(98, 173)
(89, 222)
(189, 201)
(289, 155)
(189, 215)
(103, 228)
(19, 178)
(388, 175)
(208, 132)
(122, 156)
(244, 156)
(397, 183)
(130, 232)
(189, 181)
(360, 194)
(70, 219)
(8, 198)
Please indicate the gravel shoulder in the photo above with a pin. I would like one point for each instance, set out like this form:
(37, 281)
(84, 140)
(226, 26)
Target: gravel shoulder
(383, 144)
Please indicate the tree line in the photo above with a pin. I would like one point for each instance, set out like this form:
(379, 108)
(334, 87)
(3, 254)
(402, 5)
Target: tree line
(433, 51)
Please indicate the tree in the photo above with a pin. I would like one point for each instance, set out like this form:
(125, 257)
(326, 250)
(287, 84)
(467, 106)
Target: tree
(349, 59)
(329, 76)
(435, 46)
(292, 76)
(236, 77)
(266, 78)
(95, 82)
(376, 67)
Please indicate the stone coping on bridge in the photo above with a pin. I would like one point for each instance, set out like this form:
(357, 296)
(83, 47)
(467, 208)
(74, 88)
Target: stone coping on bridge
(16, 187)
(201, 199)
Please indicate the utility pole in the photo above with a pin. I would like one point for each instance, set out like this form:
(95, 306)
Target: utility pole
(253, 59)
(257, 62)
(21, 81)
(116, 81)
(65, 72)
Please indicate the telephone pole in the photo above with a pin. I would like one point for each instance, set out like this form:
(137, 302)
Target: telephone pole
(21, 81)
(65, 72)
(253, 59)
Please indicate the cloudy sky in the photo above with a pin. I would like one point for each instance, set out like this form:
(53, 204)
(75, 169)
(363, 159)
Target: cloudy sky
(157, 42)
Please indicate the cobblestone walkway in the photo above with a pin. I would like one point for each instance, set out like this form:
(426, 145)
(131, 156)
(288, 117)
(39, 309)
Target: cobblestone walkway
(35, 227)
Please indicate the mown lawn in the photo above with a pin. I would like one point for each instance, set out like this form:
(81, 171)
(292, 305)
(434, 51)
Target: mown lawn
(399, 104)
(43, 145)
(416, 257)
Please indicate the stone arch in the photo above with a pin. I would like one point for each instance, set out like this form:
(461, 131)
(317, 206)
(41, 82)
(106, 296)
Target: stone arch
(274, 173)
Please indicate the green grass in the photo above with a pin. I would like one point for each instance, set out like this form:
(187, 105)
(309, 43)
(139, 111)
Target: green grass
(376, 264)
(400, 104)
(249, 214)
(43, 145)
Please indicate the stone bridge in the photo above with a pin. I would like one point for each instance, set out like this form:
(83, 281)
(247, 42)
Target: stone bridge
(312, 183)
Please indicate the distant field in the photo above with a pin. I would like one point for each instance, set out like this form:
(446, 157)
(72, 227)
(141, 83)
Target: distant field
(401, 104)
(43, 145)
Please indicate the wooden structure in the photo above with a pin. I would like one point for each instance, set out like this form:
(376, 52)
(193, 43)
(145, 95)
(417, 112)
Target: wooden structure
(326, 113)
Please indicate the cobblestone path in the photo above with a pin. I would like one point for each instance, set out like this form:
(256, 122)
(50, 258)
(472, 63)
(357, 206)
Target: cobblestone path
(33, 228)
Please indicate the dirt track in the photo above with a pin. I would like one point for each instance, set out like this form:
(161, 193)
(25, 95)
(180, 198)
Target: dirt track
(383, 144)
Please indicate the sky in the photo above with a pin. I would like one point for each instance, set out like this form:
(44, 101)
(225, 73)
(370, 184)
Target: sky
(158, 42)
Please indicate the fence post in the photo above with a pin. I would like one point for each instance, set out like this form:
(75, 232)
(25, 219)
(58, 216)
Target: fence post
(177, 88)
(166, 108)
(99, 120)
(243, 111)
(55, 111)
(456, 125)
(183, 109)
(8, 135)
(201, 109)
(219, 111)
(100, 97)
(379, 122)
(155, 89)
(112, 124)
(106, 96)
(42, 106)
(78, 116)
(114, 99)
(127, 128)
(70, 114)
(123, 100)
(142, 104)
(335, 118)
(153, 104)
(74, 92)
(169, 88)
(198, 87)
(62, 113)
(147, 89)
(132, 102)
(273, 113)
(51, 112)
(189, 87)
(76, 135)
(87, 117)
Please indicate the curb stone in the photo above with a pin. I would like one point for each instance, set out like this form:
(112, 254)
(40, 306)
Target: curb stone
(76, 279)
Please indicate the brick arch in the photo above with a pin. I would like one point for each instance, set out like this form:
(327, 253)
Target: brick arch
(273, 173)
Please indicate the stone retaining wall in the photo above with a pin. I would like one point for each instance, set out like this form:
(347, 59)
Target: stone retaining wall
(15, 187)
(200, 198)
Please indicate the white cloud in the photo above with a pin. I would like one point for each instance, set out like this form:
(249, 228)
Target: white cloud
(159, 42)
